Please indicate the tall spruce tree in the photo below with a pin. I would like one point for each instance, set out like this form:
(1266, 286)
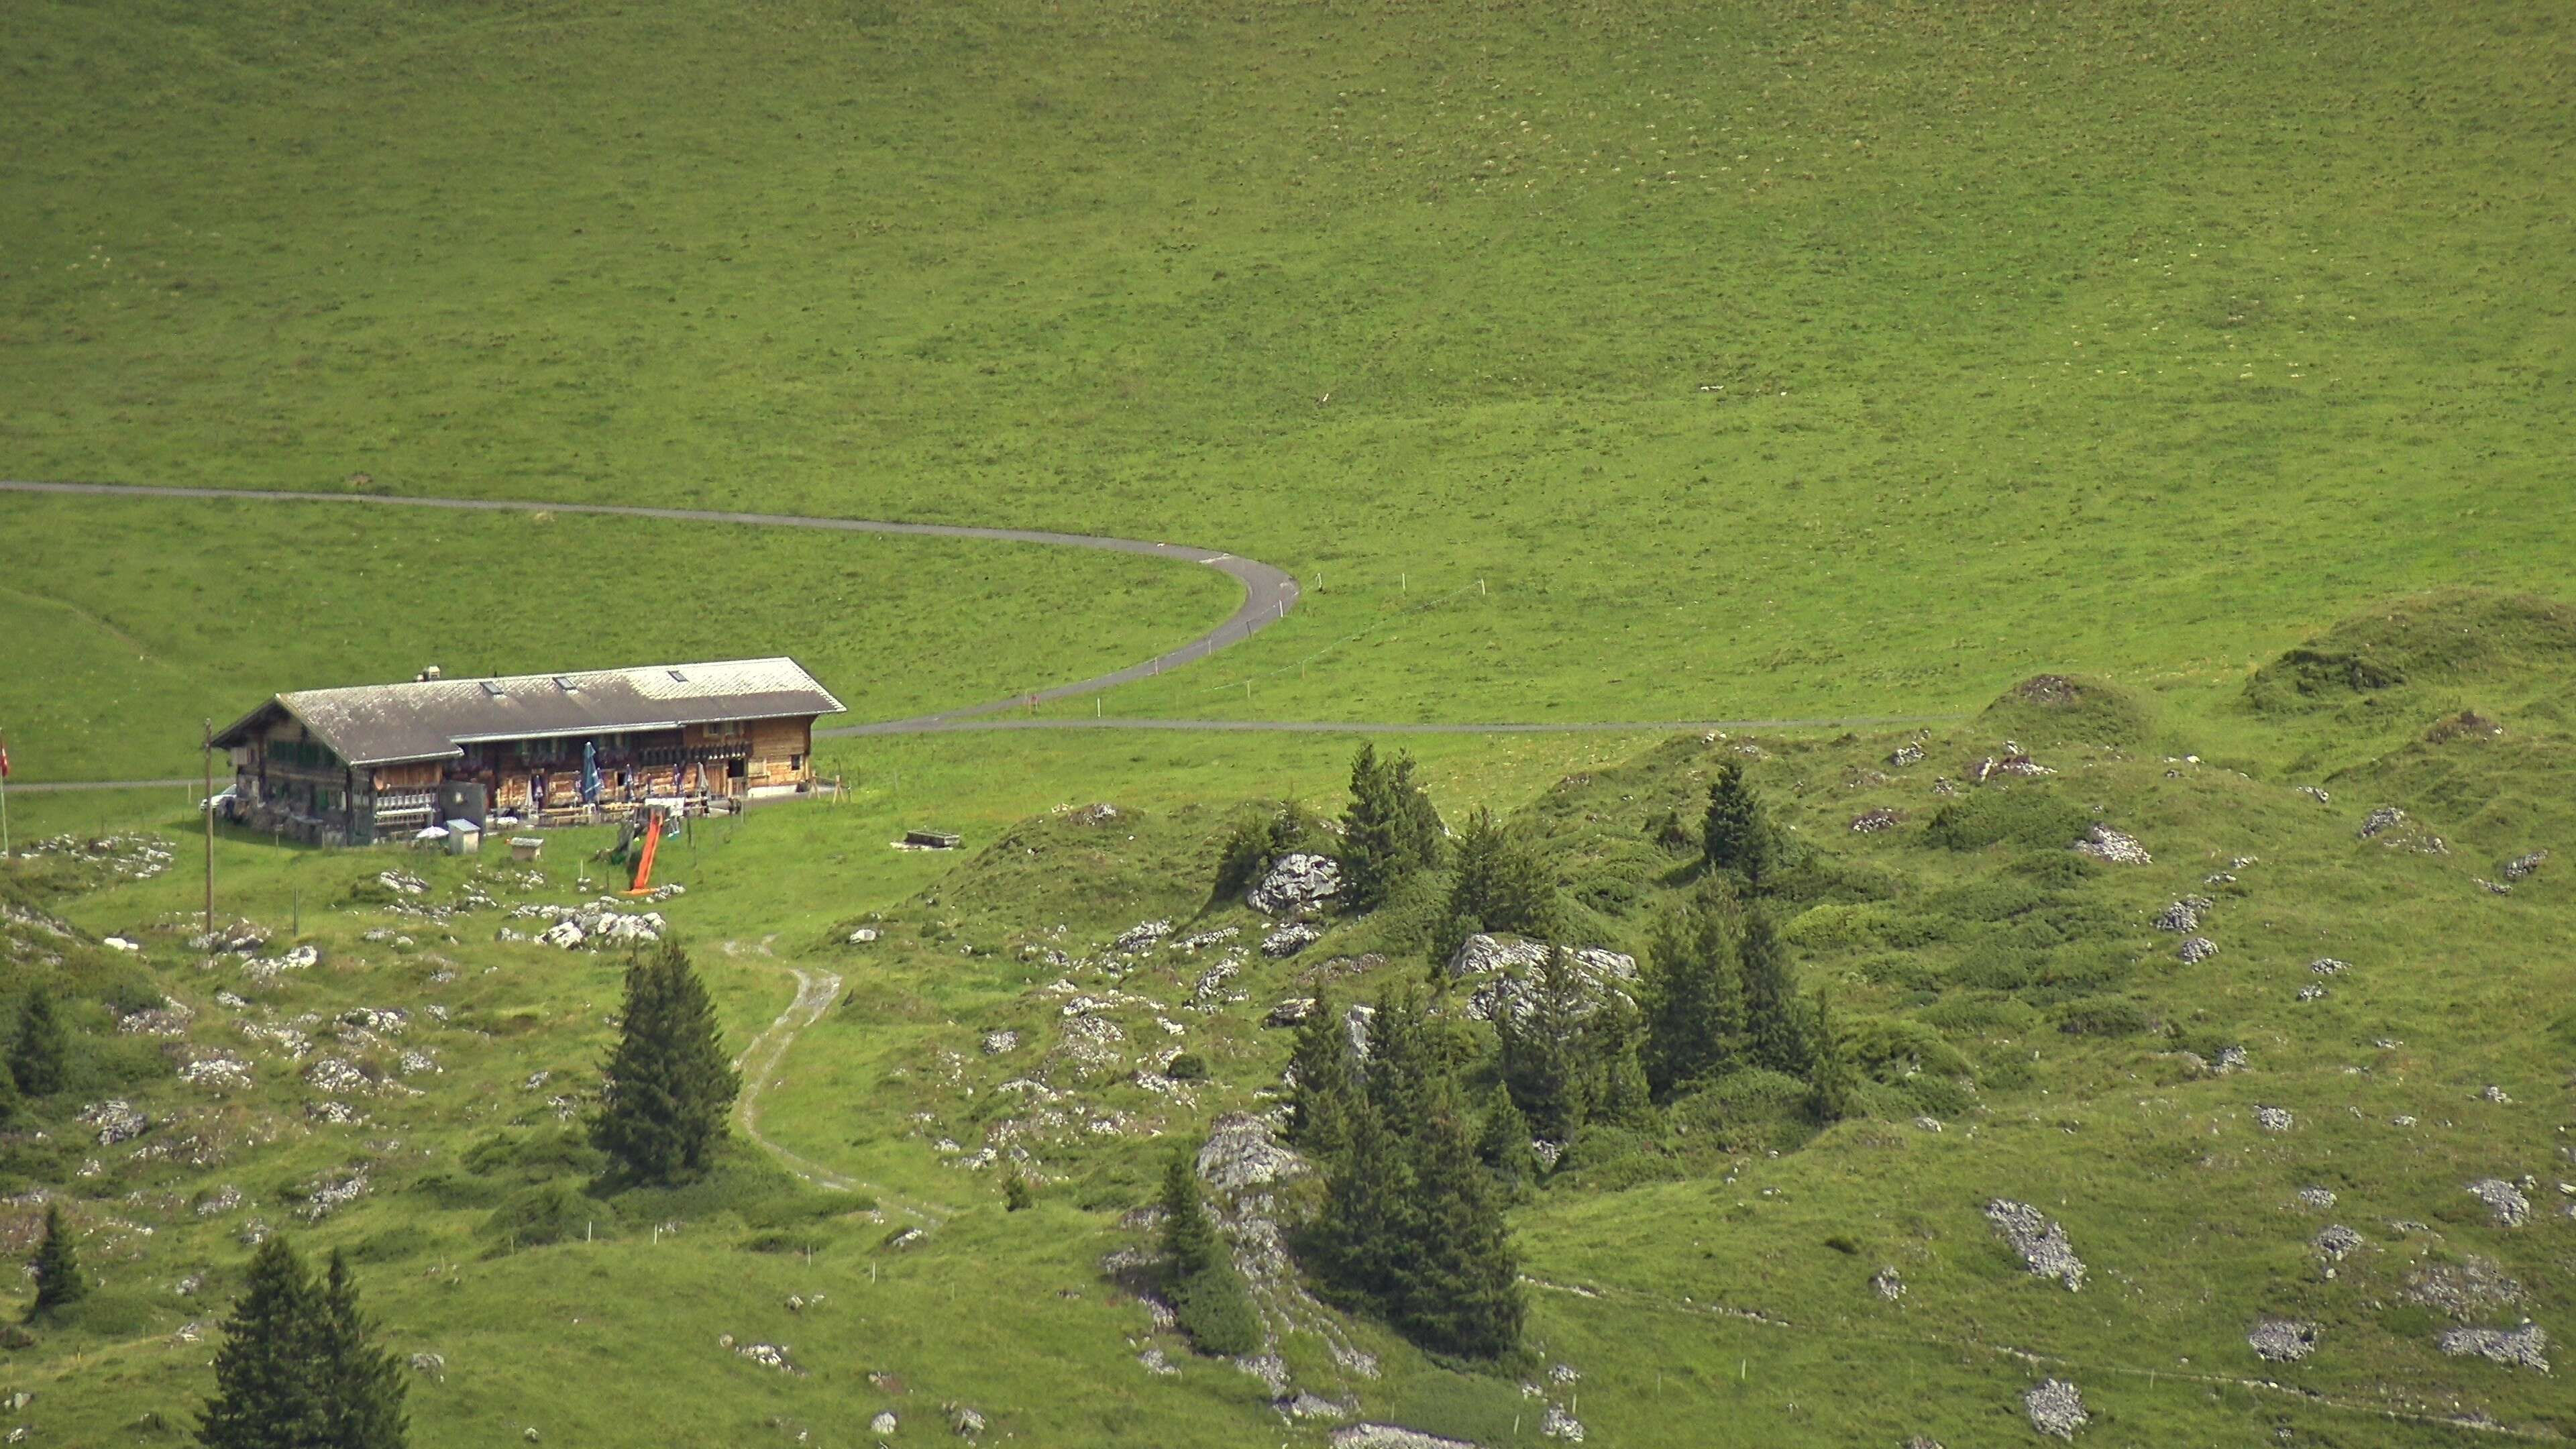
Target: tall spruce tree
(1694, 992)
(1420, 833)
(1500, 885)
(669, 1086)
(1543, 1061)
(1831, 1079)
(1457, 1285)
(362, 1384)
(1776, 1023)
(59, 1282)
(42, 1048)
(1738, 836)
(1372, 855)
(1614, 1040)
(10, 1101)
(1322, 1098)
(1208, 1295)
(1390, 831)
(1504, 1145)
(1404, 1062)
(272, 1387)
(1367, 1223)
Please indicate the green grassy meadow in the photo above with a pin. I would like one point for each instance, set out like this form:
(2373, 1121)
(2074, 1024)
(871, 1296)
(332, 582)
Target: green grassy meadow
(2146, 338)
(1713, 1275)
(1630, 362)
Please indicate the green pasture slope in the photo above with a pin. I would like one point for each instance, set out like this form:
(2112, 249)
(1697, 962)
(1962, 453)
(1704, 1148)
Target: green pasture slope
(1761, 359)
(1622, 362)
(1709, 1279)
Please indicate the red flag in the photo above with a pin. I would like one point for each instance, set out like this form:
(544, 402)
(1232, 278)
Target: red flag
(4, 757)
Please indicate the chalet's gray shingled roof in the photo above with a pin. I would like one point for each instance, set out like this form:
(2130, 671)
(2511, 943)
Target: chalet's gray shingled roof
(385, 724)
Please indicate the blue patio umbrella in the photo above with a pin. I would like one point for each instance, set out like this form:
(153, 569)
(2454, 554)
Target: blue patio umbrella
(590, 772)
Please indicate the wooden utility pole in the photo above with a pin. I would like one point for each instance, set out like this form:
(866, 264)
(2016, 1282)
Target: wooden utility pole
(209, 808)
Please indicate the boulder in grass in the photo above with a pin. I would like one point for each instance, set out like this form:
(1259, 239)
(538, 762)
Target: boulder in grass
(1298, 882)
(2118, 847)
(1289, 939)
(2042, 1244)
(2502, 1198)
(2279, 1340)
(2056, 1408)
(2524, 1347)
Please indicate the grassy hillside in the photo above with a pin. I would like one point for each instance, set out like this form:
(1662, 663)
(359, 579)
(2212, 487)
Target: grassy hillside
(2176, 392)
(2028, 1030)
(1759, 361)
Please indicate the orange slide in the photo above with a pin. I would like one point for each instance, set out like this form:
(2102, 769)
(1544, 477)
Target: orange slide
(644, 858)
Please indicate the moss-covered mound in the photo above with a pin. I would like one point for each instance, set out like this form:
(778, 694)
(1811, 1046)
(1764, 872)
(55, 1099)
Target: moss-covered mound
(2450, 638)
(2062, 709)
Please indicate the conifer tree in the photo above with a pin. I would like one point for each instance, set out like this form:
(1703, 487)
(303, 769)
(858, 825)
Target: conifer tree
(669, 1086)
(1420, 835)
(362, 1385)
(1504, 1146)
(42, 1047)
(1367, 1224)
(1694, 992)
(1244, 858)
(1321, 1101)
(1207, 1290)
(1457, 1285)
(1501, 885)
(1830, 1077)
(1390, 831)
(1776, 1025)
(10, 1101)
(271, 1388)
(1738, 836)
(1403, 1059)
(1542, 1062)
(1371, 856)
(1614, 1040)
(59, 1283)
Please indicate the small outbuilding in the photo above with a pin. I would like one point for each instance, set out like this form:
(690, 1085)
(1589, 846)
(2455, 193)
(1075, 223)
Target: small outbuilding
(353, 766)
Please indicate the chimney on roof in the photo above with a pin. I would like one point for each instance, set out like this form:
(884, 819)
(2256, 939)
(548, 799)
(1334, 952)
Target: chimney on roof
(426, 675)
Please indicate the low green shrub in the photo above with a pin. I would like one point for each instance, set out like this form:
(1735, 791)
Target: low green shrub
(2026, 815)
(1187, 1067)
(1930, 1096)
(1834, 926)
(534, 1156)
(1216, 1312)
(1893, 1048)
(551, 1212)
(2054, 870)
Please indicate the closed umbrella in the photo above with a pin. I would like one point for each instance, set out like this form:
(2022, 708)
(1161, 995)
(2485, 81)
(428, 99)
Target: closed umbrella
(590, 772)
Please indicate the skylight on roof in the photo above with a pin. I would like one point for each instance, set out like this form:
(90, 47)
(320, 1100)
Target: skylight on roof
(565, 683)
(492, 687)
(677, 676)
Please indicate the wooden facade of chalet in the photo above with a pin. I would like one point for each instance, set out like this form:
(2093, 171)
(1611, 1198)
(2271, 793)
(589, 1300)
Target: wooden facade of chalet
(353, 766)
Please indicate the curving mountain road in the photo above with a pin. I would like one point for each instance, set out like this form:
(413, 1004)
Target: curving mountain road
(1268, 594)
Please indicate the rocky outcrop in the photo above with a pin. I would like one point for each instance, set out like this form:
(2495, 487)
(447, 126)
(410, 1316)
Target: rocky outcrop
(1297, 883)
(1504, 971)
(2042, 1243)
